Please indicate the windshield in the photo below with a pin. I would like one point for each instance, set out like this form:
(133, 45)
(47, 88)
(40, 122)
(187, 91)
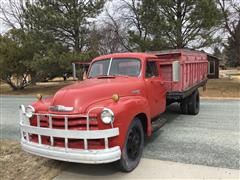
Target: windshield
(115, 67)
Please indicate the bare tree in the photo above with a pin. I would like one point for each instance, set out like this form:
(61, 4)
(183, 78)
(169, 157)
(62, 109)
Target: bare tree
(133, 19)
(11, 13)
(119, 31)
(231, 24)
(127, 25)
(107, 40)
(231, 15)
(153, 25)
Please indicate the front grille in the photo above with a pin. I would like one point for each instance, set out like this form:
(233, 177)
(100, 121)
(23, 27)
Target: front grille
(72, 143)
(73, 123)
(58, 122)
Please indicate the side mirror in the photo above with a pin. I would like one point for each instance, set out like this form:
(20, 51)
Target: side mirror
(176, 71)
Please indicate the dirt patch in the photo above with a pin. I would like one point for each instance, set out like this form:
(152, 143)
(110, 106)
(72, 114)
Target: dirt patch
(17, 164)
(222, 88)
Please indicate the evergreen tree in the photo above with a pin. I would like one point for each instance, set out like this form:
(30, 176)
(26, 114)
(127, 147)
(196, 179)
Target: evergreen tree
(171, 23)
(232, 49)
(67, 20)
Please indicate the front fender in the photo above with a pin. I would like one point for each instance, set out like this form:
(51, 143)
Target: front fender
(125, 110)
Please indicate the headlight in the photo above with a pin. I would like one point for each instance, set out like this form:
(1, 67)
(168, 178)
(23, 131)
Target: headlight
(107, 116)
(23, 109)
(29, 110)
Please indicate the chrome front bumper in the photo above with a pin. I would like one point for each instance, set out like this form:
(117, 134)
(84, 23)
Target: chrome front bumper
(73, 155)
(65, 153)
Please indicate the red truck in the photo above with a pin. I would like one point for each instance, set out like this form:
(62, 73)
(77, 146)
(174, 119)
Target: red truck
(106, 117)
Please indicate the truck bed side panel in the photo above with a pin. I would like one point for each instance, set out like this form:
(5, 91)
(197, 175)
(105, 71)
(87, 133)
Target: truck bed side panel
(193, 70)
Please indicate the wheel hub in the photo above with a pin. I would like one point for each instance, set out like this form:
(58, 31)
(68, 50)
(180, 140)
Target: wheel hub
(133, 143)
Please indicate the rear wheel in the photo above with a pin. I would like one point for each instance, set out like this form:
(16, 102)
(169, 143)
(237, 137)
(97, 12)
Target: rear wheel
(133, 147)
(184, 106)
(193, 105)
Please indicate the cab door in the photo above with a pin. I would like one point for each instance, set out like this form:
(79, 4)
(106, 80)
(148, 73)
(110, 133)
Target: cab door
(156, 93)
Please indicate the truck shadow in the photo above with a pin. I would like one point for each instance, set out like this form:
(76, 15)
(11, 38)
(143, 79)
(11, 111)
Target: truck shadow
(170, 115)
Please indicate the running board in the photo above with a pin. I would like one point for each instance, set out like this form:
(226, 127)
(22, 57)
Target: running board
(158, 123)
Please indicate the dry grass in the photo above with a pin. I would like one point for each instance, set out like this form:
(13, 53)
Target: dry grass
(47, 88)
(17, 164)
(215, 88)
(227, 88)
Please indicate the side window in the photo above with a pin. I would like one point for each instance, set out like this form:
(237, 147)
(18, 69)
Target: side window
(151, 69)
(211, 67)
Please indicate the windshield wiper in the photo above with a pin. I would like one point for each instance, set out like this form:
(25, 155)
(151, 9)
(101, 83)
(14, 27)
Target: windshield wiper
(111, 76)
(105, 76)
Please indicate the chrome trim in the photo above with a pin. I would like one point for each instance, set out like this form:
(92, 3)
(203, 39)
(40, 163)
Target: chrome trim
(73, 134)
(94, 108)
(112, 114)
(109, 66)
(65, 153)
(22, 108)
(136, 91)
(73, 155)
(27, 111)
(60, 108)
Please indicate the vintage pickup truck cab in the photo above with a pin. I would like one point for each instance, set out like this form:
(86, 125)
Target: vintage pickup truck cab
(105, 117)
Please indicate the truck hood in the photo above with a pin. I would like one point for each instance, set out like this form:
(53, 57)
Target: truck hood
(85, 93)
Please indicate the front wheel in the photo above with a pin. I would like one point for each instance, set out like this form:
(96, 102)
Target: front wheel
(133, 147)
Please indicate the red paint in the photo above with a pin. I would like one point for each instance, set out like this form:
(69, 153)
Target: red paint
(137, 94)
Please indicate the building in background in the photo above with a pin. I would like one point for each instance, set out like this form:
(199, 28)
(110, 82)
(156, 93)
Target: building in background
(213, 67)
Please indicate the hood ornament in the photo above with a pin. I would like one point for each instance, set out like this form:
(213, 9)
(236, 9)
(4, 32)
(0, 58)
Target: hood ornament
(60, 108)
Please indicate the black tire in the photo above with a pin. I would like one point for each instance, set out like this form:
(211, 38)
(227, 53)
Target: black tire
(194, 102)
(184, 106)
(133, 147)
